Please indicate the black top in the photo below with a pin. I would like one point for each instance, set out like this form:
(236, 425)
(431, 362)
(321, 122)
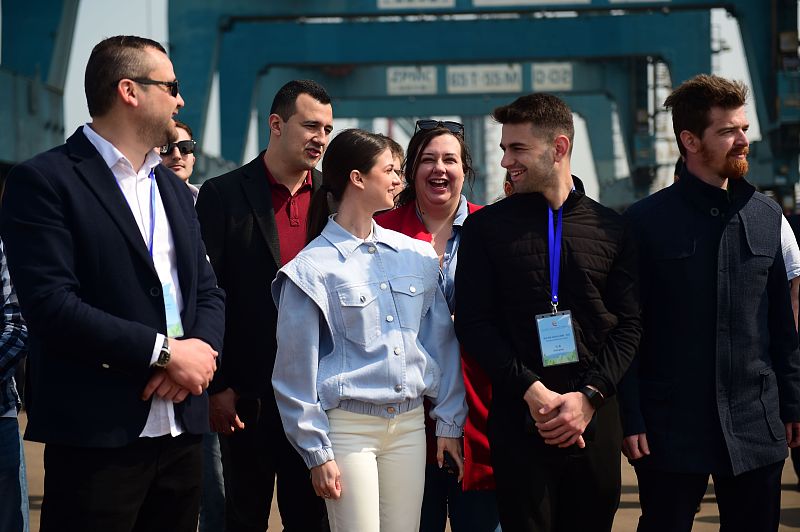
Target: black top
(503, 282)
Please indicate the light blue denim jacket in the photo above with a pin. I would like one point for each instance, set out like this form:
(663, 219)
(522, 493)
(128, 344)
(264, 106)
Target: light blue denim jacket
(363, 326)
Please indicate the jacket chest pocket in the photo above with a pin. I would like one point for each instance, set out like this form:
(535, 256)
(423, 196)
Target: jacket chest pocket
(759, 251)
(674, 261)
(408, 292)
(360, 312)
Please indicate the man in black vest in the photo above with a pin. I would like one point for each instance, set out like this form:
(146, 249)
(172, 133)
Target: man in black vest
(715, 388)
(548, 305)
(253, 221)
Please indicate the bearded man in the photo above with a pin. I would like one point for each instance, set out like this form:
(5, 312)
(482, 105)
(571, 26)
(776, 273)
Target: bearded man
(715, 387)
(124, 315)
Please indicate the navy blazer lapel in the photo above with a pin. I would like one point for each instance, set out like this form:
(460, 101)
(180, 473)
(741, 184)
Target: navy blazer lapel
(256, 190)
(179, 226)
(91, 167)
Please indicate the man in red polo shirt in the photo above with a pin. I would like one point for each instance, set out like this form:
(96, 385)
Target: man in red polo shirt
(253, 221)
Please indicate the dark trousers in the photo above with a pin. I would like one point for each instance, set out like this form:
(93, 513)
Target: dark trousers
(151, 485)
(469, 511)
(750, 502)
(11, 519)
(541, 488)
(251, 460)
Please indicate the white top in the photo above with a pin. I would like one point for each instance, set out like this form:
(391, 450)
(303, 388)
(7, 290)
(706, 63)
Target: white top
(791, 252)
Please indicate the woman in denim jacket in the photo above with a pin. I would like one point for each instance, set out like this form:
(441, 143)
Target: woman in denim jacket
(364, 334)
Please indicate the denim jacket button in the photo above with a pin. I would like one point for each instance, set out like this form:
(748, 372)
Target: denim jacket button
(384, 286)
(372, 249)
(397, 351)
(412, 289)
(389, 318)
(398, 388)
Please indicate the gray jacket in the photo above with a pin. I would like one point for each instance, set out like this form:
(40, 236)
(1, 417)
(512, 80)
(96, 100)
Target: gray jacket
(718, 369)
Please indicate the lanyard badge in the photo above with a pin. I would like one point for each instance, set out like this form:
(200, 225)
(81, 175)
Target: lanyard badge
(174, 324)
(556, 333)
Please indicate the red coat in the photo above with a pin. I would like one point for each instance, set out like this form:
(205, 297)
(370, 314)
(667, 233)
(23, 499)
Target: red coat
(478, 464)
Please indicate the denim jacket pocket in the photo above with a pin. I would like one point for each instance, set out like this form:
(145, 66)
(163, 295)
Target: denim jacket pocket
(408, 293)
(360, 311)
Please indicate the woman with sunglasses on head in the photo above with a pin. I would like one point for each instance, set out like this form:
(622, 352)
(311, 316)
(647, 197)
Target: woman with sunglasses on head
(364, 333)
(432, 208)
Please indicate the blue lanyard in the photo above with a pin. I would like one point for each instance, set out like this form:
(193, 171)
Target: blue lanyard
(152, 212)
(554, 246)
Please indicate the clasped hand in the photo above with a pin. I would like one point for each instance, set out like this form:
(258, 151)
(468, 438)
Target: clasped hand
(560, 418)
(190, 370)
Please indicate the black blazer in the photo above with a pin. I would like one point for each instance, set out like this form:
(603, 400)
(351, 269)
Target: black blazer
(238, 224)
(91, 296)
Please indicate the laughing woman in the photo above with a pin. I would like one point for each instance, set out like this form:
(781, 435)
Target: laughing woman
(364, 334)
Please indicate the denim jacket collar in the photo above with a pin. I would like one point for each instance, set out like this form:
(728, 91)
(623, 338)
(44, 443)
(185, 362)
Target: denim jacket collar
(462, 211)
(346, 243)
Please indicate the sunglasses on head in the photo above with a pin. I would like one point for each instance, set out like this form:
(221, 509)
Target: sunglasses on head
(453, 127)
(184, 146)
(171, 85)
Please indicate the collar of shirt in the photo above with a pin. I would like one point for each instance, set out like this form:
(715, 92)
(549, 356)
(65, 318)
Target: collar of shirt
(114, 158)
(461, 212)
(274, 182)
(346, 243)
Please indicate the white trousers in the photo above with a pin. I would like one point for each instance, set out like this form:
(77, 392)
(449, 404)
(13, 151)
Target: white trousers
(382, 464)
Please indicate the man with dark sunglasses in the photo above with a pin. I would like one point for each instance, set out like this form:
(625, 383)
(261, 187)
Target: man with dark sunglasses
(179, 156)
(124, 315)
(254, 221)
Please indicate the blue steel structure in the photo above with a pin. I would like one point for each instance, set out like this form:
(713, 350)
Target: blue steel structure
(252, 38)
(598, 89)
(36, 39)
(245, 40)
(248, 47)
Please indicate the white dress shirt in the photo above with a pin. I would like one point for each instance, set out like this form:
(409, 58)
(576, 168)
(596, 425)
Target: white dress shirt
(135, 186)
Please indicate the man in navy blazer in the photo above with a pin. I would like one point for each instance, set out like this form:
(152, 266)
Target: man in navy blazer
(124, 315)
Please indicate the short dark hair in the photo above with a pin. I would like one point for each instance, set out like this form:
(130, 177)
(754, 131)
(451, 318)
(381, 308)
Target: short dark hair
(416, 146)
(692, 101)
(111, 60)
(546, 112)
(184, 127)
(395, 147)
(352, 149)
(283, 104)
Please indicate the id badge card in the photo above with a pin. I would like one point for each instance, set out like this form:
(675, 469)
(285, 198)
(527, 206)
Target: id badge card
(174, 325)
(557, 338)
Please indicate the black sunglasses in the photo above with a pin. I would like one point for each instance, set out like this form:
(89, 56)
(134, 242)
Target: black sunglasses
(453, 127)
(171, 85)
(184, 146)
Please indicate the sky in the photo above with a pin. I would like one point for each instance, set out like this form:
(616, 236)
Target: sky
(98, 19)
